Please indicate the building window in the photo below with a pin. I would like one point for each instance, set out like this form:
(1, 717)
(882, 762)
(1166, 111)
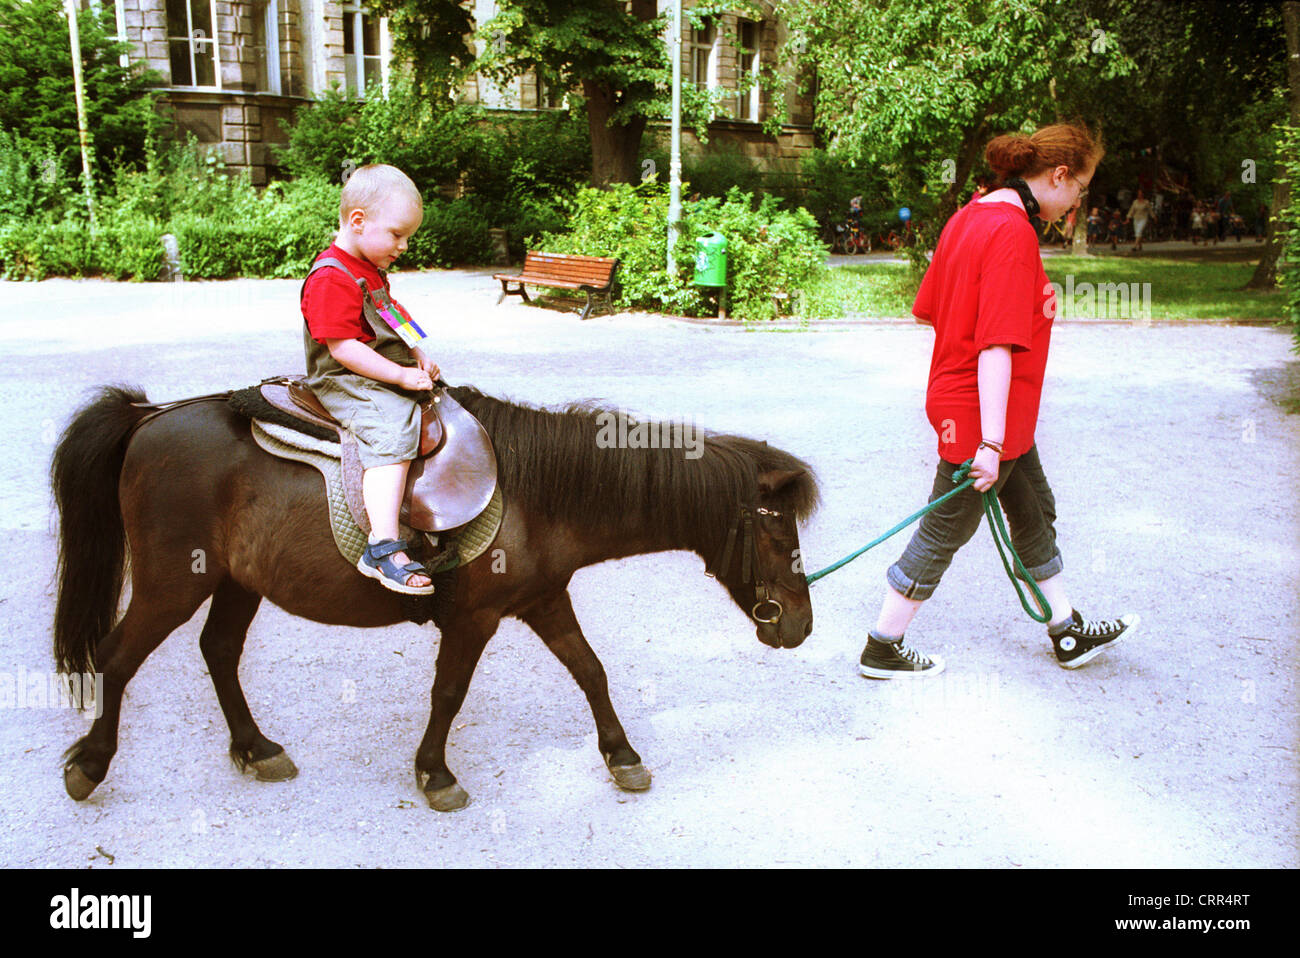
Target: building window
(266, 44)
(193, 50)
(747, 70)
(550, 96)
(362, 50)
(701, 43)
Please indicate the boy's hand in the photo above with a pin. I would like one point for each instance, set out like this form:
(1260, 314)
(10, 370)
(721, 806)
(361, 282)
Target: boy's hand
(426, 364)
(414, 379)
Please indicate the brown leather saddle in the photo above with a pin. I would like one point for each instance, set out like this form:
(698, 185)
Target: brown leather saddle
(448, 485)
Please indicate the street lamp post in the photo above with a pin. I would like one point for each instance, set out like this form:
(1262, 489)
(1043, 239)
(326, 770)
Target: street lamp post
(83, 130)
(675, 160)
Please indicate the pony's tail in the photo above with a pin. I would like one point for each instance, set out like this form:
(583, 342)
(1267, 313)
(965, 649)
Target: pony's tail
(84, 474)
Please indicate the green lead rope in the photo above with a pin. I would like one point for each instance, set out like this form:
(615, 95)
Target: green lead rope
(1000, 538)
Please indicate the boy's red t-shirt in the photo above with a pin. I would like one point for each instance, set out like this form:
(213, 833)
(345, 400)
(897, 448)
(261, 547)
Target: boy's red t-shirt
(985, 287)
(331, 301)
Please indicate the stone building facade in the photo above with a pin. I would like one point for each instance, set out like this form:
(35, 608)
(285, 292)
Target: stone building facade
(236, 70)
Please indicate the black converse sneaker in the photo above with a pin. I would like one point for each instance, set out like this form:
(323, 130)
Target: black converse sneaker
(1082, 641)
(889, 660)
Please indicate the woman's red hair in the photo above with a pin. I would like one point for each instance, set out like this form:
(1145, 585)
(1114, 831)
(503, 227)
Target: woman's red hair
(1061, 144)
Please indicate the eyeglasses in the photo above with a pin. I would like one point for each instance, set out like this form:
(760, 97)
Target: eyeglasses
(1083, 188)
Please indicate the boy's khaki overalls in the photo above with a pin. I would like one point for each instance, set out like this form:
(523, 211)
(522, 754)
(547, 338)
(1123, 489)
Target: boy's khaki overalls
(384, 418)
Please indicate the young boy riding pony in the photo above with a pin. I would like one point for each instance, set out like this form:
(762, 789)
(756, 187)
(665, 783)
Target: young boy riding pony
(361, 361)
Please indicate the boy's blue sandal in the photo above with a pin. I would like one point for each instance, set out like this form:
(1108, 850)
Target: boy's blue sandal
(376, 564)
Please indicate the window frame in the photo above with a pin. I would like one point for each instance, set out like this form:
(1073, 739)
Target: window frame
(747, 104)
(710, 50)
(191, 42)
(354, 69)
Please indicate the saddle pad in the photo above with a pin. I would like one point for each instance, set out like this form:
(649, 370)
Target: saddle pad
(470, 540)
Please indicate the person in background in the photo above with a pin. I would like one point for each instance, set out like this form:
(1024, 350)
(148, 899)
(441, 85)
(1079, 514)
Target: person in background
(1225, 211)
(1139, 214)
(1096, 226)
(1197, 224)
(1115, 229)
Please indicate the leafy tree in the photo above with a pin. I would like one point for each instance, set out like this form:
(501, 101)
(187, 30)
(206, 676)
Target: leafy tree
(1206, 83)
(613, 51)
(36, 86)
(431, 37)
(919, 89)
(1200, 106)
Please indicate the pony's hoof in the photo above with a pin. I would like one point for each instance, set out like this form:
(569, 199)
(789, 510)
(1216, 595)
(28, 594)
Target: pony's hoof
(449, 799)
(77, 783)
(631, 778)
(274, 768)
(277, 768)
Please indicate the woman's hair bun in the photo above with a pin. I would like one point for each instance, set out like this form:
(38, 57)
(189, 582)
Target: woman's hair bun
(1072, 145)
(1010, 155)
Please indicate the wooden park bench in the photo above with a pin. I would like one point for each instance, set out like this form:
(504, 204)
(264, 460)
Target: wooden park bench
(593, 275)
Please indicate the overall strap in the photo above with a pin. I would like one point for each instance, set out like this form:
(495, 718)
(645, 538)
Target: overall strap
(329, 262)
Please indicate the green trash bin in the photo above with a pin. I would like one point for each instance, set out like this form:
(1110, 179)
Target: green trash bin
(711, 260)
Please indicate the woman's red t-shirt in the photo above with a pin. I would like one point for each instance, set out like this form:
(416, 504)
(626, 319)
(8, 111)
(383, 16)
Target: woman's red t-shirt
(985, 287)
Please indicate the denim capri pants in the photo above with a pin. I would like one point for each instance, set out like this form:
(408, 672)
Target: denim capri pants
(1031, 513)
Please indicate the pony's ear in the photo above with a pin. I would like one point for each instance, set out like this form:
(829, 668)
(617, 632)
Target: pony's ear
(774, 480)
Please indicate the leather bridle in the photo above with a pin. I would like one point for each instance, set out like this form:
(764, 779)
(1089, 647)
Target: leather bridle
(743, 527)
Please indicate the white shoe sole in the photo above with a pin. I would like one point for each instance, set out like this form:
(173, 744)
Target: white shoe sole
(873, 673)
(371, 572)
(1131, 621)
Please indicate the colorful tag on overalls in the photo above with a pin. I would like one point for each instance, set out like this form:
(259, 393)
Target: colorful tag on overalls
(399, 322)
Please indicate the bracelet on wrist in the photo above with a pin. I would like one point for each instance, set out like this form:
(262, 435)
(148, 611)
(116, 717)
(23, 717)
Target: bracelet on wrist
(990, 444)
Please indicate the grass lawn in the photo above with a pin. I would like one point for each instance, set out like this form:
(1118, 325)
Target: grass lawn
(1179, 290)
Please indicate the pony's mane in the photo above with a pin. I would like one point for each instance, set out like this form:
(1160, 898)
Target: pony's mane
(549, 459)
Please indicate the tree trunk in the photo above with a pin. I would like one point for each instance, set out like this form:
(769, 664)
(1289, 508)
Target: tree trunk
(1079, 243)
(614, 149)
(1265, 276)
(972, 149)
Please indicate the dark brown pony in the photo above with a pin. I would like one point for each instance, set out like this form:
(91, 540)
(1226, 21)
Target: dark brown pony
(192, 478)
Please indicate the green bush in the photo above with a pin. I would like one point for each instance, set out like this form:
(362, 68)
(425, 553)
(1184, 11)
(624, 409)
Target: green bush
(629, 222)
(280, 240)
(304, 215)
(336, 134)
(1288, 227)
(180, 178)
(515, 171)
(33, 184)
(35, 250)
(830, 182)
(130, 249)
(714, 174)
(452, 233)
(532, 219)
(770, 251)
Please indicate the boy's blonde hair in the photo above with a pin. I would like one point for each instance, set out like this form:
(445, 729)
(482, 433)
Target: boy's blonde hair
(371, 185)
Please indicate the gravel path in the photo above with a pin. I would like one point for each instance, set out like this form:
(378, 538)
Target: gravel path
(1171, 464)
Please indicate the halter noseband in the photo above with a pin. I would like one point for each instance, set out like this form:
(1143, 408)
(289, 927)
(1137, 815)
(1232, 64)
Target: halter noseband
(744, 524)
